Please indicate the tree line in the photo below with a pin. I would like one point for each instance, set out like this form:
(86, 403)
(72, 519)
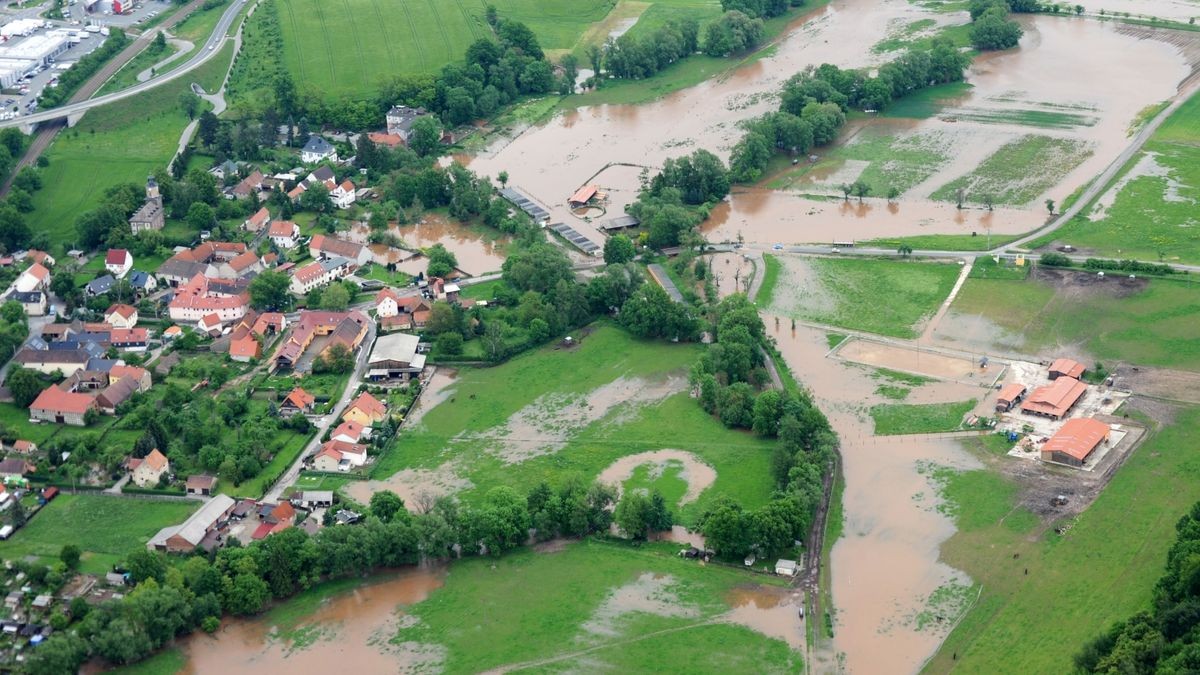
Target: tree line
(1165, 638)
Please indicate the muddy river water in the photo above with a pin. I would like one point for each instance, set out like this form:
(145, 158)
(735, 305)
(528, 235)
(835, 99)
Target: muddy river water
(1057, 68)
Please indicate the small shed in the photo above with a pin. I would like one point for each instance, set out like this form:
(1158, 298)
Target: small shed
(786, 568)
(1010, 395)
(200, 484)
(43, 601)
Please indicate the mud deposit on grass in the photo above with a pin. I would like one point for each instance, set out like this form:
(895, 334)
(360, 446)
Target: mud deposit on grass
(439, 388)
(415, 486)
(650, 594)
(544, 426)
(351, 630)
(914, 360)
(699, 476)
(890, 520)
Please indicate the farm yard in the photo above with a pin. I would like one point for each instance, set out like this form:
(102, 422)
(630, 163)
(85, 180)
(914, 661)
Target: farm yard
(558, 413)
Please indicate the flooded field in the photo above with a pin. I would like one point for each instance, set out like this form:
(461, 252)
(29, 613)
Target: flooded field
(885, 569)
(915, 360)
(476, 252)
(1044, 90)
(699, 476)
(351, 628)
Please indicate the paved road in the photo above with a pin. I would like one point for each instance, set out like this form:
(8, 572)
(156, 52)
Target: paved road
(207, 51)
(293, 472)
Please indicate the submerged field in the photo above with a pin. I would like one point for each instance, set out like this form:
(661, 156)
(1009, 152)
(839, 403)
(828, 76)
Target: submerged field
(1150, 213)
(888, 297)
(1018, 172)
(1103, 569)
(1148, 322)
(595, 606)
(558, 412)
(106, 528)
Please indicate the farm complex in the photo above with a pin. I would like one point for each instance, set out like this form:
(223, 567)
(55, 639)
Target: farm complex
(549, 335)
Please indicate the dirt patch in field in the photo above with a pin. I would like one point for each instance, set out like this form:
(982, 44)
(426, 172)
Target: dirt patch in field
(417, 487)
(649, 594)
(699, 476)
(798, 291)
(544, 426)
(438, 388)
(1071, 283)
(915, 360)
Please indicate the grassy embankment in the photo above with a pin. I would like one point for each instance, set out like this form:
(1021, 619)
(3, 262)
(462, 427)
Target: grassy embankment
(1153, 216)
(1151, 325)
(544, 389)
(1103, 569)
(106, 528)
(118, 143)
(888, 297)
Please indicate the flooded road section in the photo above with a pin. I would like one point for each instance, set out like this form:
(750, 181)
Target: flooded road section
(1052, 75)
(352, 631)
(885, 568)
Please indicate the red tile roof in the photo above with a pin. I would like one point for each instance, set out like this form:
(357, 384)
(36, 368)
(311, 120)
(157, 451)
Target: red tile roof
(369, 405)
(282, 228)
(1056, 398)
(309, 272)
(385, 294)
(156, 460)
(1077, 438)
(299, 398)
(1068, 367)
(56, 400)
(583, 194)
(259, 218)
(123, 311)
(390, 140)
(350, 429)
(246, 346)
(243, 261)
(116, 256)
(38, 271)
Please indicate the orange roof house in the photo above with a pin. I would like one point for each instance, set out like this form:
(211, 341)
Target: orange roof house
(366, 410)
(583, 195)
(1075, 441)
(1056, 399)
(1066, 367)
(296, 401)
(349, 432)
(245, 347)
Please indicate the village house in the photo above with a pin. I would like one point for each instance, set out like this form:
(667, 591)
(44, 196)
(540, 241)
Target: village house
(115, 394)
(204, 259)
(349, 432)
(121, 316)
(339, 455)
(61, 407)
(365, 410)
(322, 175)
(33, 303)
(142, 283)
(226, 169)
(284, 234)
(395, 357)
(391, 141)
(118, 262)
(249, 185)
(319, 273)
(149, 470)
(34, 278)
(41, 257)
(24, 447)
(324, 246)
(201, 297)
(15, 468)
(1075, 441)
(247, 337)
(343, 195)
(386, 304)
(150, 216)
(344, 328)
(256, 222)
(138, 375)
(312, 499)
(200, 530)
(297, 401)
(130, 339)
(400, 120)
(46, 361)
(201, 485)
(317, 149)
(210, 323)
(100, 285)
(1066, 368)
(240, 266)
(1056, 399)
(273, 518)
(295, 193)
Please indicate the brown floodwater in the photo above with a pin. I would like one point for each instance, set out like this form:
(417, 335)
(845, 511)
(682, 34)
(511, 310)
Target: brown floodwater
(731, 272)
(477, 253)
(1056, 69)
(698, 475)
(772, 611)
(886, 564)
(354, 631)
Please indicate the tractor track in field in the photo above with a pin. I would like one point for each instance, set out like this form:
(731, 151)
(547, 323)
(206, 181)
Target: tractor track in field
(328, 44)
(442, 29)
(362, 57)
(296, 28)
(412, 27)
(383, 27)
(467, 17)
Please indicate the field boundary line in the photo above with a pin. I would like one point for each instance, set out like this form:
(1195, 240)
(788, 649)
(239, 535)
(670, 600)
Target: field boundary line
(469, 19)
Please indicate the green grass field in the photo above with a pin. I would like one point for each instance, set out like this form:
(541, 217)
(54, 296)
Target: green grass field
(940, 242)
(1153, 216)
(1102, 570)
(1152, 324)
(118, 143)
(888, 156)
(467, 433)
(106, 528)
(490, 614)
(888, 297)
(918, 418)
(927, 102)
(1019, 171)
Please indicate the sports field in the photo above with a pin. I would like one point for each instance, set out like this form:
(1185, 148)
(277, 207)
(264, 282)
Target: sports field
(347, 47)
